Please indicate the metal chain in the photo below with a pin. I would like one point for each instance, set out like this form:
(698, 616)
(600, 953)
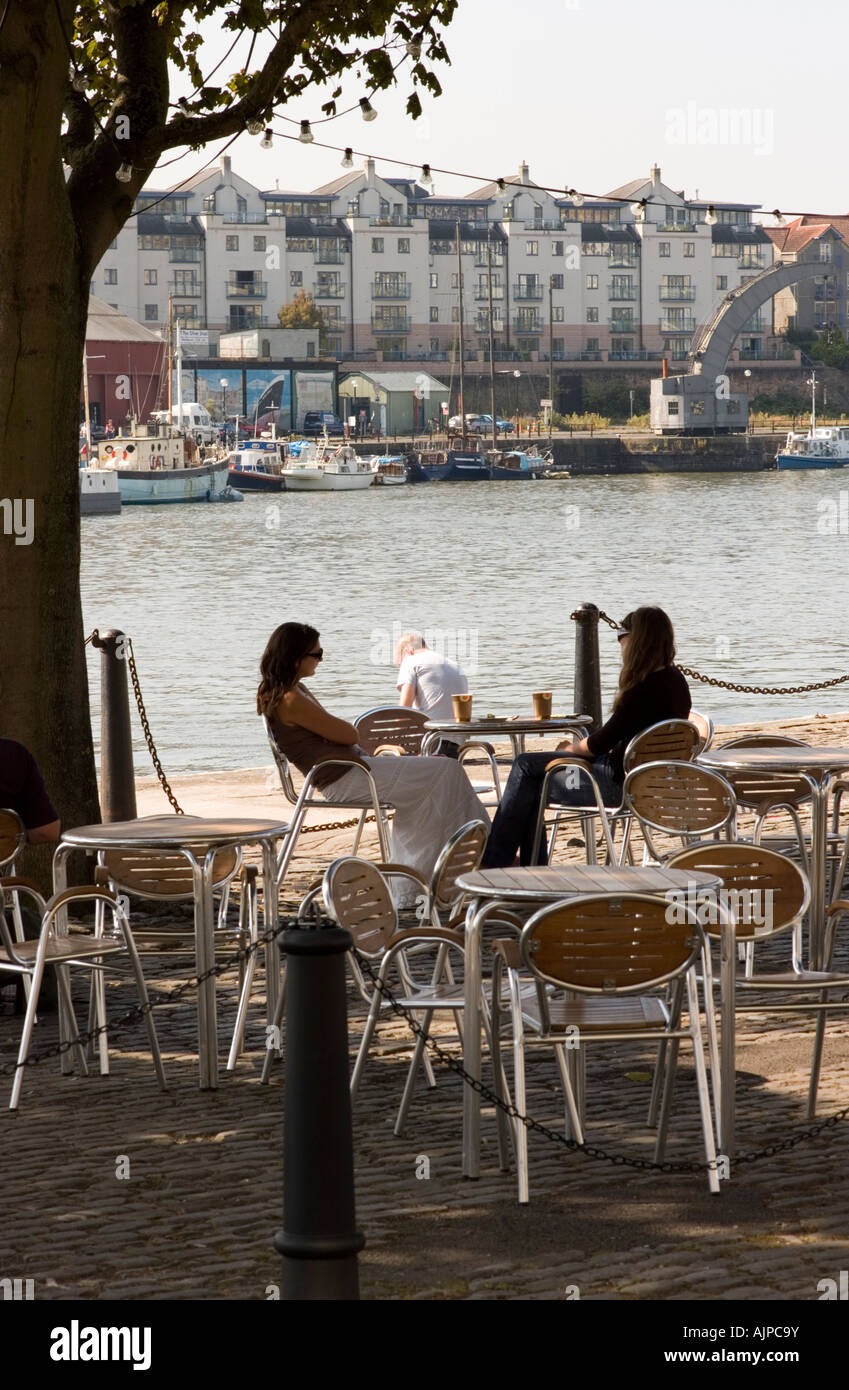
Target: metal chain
(734, 685)
(134, 677)
(589, 1150)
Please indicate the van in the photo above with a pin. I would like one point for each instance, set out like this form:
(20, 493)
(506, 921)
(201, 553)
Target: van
(195, 421)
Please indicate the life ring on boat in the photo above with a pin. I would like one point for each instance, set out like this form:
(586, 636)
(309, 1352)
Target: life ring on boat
(109, 451)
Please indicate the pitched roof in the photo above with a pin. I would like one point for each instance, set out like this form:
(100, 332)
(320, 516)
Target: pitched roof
(399, 381)
(336, 185)
(803, 230)
(108, 325)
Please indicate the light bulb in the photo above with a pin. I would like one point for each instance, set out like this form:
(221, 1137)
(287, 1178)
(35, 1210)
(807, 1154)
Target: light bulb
(710, 217)
(501, 185)
(414, 48)
(369, 113)
(348, 158)
(267, 140)
(577, 198)
(124, 173)
(638, 209)
(254, 127)
(306, 135)
(779, 217)
(426, 177)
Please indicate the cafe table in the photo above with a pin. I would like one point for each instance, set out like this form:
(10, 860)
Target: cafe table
(524, 891)
(198, 839)
(516, 729)
(817, 767)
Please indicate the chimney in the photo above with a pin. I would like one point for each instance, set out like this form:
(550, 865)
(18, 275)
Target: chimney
(524, 173)
(655, 176)
(225, 167)
(370, 173)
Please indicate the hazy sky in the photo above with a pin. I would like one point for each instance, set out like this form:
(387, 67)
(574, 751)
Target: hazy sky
(728, 98)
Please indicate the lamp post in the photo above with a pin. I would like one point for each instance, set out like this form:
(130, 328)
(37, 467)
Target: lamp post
(516, 375)
(224, 384)
(747, 374)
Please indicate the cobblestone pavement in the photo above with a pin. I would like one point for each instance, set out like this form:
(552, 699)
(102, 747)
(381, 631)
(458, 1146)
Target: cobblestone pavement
(196, 1212)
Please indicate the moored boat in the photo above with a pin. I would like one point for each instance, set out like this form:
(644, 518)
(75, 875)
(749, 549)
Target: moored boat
(157, 464)
(452, 464)
(388, 469)
(517, 463)
(823, 446)
(322, 467)
(257, 466)
(99, 492)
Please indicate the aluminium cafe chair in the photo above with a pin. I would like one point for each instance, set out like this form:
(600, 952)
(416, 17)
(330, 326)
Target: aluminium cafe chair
(13, 837)
(671, 738)
(310, 797)
(401, 730)
(611, 953)
(65, 948)
(768, 793)
(682, 800)
(160, 876)
(769, 893)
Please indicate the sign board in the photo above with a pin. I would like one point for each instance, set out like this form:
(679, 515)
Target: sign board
(546, 405)
(194, 342)
(444, 407)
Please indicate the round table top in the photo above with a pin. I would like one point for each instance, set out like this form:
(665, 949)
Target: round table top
(497, 724)
(781, 758)
(570, 880)
(161, 832)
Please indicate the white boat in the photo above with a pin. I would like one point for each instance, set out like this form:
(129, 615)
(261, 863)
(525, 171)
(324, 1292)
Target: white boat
(324, 467)
(389, 469)
(823, 446)
(99, 492)
(156, 463)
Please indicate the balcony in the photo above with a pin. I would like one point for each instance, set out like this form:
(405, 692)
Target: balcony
(400, 323)
(395, 221)
(482, 324)
(330, 257)
(189, 254)
(527, 325)
(755, 325)
(390, 291)
(751, 263)
(481, 262)
(186, 289)
(243, 219)
(682, 294)
(688, 227)
(526, 292)
(328, 291)
(825, 292)
(482, 293)
(616, 261)
(622, 325)
(622, 292)
(247, 289)
(686, 323)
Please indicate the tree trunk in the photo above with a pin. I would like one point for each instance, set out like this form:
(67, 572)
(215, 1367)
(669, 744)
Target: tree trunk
(44, 285)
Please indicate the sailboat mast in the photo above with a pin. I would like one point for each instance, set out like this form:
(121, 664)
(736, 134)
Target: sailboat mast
(462, 347)
(491, 338)
(87, 410)
(170, 360)
(813, 402)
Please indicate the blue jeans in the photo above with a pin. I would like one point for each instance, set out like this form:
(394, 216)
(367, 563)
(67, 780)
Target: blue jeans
(515, 820)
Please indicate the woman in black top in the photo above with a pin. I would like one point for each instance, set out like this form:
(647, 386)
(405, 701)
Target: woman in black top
(651, 689)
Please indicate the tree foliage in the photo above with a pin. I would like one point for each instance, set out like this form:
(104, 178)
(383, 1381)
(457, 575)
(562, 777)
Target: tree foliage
(302, 312)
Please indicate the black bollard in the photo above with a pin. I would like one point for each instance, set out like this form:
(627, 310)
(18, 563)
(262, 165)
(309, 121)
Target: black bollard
(587, 671)
(117, 775)
(319, 1241)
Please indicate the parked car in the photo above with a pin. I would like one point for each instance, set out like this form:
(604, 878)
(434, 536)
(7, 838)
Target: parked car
(502, 426)
(475, 424)
(317, 421)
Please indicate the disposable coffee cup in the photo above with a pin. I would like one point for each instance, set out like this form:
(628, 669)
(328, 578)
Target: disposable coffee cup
(542, 704)
(462, 708)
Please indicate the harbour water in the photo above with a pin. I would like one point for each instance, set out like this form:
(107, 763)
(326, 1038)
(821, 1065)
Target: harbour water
(753, 569)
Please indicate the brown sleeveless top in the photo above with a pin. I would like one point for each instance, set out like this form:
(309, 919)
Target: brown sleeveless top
(306, 750)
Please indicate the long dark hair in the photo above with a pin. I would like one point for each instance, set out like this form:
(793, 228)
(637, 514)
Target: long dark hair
(651, 644)
(285, 649)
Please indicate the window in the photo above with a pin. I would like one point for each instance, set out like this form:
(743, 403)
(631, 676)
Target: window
(434, 314)
(209, 203)
(241, 205)
(733, 407)
(259, 243)
(231, 243)
(455, 313)
(531, 248)
(689, 248)
(825, 250)
(110, 277)
(557, 282)
(592, 344)
(403, 246)
(592, 282)
(557, 316)
(455, 280)
(296, 279)
(150, 277)
(300, 243)
(185, 282)
(557, 248)
(434, 280)
(377, 245)
(722, 282)
(151, 312)
(672, 408)
(592, 314)
(697, 408)
(434, 345)
(664, 248)
(557, 347)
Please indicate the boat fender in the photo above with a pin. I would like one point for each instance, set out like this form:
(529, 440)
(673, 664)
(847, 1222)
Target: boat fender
(125, 453)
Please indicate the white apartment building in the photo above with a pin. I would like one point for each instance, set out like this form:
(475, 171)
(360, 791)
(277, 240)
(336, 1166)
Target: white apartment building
(623, 278)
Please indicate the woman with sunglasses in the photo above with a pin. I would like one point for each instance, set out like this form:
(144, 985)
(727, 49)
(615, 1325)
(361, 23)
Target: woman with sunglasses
(432, 797)
(650, 690)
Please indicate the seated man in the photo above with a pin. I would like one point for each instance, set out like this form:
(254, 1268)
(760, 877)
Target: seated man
(22, 790)
(427, 682)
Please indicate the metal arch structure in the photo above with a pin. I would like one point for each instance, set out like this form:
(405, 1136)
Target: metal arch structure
(700, 400)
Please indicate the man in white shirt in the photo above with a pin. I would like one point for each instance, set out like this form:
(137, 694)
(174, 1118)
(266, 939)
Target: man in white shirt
(427, 682)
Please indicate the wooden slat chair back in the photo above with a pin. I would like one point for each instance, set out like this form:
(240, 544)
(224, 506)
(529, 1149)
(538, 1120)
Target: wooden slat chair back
(758, 791)
(608, 944)
(704, 725)
(357, 895)
(393, 727)
(160, 875)
(673, 740)
(765, 890)
(12, 839)
(461, 855)
(680, 799)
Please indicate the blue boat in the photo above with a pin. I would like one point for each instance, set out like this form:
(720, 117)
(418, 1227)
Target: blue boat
(255, 467)
(824, 446)
(452, 465)
(516, 463)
